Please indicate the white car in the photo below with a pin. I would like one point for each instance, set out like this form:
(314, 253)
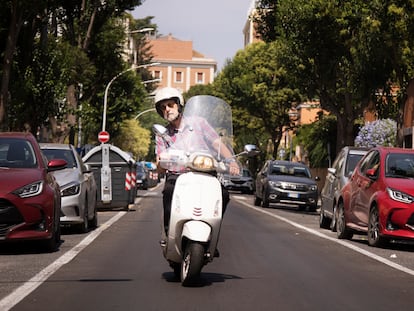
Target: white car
(77, 186)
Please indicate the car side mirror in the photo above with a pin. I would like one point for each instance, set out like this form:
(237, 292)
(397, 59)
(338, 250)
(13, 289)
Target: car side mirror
(87, 168)
(56, 164)
(371, 173)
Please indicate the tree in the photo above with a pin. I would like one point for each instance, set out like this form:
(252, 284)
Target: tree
(257, 86)
(133, 138)
(344, 51)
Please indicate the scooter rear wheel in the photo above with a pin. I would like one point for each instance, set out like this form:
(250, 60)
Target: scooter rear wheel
(193, 261)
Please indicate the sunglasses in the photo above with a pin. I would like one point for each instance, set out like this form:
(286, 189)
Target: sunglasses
(164, 105)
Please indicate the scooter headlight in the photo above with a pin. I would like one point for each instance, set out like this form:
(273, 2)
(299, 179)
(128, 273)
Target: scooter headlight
(203, 163)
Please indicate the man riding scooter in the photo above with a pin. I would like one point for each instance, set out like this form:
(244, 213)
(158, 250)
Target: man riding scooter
(169, 104)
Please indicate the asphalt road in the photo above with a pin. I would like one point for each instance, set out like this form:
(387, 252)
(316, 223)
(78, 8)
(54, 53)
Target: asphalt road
(271, 259)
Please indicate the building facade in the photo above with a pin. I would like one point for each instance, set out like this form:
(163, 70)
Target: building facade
(179, 65)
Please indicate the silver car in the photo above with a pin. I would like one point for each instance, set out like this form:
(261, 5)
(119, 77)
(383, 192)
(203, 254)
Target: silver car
(243, 182)
(337, 177)
(77, 186)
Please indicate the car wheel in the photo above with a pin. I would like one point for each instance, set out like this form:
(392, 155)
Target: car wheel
(84, 226)
(93, 223)
(333, 221)
(52, 244)
(324, 222)
(342, 231)
(265, 202)
(257, 200)
(374, 237)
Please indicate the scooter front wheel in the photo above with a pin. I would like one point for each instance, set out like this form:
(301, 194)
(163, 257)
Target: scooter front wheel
(193, 261)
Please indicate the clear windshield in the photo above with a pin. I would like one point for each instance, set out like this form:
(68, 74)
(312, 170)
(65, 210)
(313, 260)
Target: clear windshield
(205, 127)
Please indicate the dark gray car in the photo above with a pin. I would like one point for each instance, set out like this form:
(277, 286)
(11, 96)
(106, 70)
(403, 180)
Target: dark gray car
(337, 177)
(287, 183)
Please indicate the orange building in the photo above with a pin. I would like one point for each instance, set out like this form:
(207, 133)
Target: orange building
(180, 66)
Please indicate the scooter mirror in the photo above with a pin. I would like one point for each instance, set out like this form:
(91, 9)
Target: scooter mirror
(251, 150)
(159, 130)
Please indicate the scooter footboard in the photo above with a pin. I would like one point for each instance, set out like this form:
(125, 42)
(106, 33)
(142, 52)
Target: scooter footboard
(197, 231)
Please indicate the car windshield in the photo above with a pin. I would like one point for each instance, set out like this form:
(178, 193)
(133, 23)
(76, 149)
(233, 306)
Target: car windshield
(399, 165)
(292, 170)
(64, 154)
(16, 153)
(353, 160)
(246, 173)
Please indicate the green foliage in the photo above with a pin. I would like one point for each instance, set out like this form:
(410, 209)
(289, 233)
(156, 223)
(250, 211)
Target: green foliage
(318, 140)
(133, 138)
(257, 86)
(344, 52)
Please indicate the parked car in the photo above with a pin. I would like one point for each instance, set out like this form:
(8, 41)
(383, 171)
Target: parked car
(77, 185)
(286, 182)
(337, 177)
(29, 194)
(152, 174)
(379, 198)
(243, 182)
(142, 176)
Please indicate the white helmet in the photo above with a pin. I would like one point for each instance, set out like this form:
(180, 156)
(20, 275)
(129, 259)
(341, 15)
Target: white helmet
(168, 93)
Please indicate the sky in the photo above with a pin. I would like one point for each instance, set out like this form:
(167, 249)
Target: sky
(215, 27)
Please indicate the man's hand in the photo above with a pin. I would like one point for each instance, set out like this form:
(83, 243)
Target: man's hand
(234, 168)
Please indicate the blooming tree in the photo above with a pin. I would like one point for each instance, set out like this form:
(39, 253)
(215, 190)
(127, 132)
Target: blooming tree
(378, 133)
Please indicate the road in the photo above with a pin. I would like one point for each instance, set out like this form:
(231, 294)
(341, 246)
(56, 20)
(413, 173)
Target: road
(271, 259)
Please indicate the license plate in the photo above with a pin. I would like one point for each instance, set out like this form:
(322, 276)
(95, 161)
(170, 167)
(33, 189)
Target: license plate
(293, 195)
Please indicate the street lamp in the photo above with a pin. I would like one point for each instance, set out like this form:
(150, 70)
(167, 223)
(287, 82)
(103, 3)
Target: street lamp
(109, 84)
(134, 44)
(147, 29)
(142, 112)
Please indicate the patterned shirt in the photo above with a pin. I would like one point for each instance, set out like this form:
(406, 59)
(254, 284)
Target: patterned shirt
(195, 133)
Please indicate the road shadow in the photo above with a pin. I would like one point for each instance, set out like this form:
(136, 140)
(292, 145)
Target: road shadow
(205, 278)
(25, 247)
(398, 245)
(292, 208)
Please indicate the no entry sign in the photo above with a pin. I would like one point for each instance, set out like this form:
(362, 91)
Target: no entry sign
(103, 136)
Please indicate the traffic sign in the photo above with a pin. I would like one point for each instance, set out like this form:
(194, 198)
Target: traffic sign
(103, 136)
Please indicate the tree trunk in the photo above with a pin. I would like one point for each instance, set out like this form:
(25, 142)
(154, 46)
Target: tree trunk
(15, 25)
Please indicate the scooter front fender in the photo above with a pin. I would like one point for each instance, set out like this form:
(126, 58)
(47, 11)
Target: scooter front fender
(196, 230)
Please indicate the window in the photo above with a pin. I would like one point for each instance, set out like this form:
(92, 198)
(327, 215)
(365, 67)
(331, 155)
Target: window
(178, 76)
(157, 74)
(200, 78)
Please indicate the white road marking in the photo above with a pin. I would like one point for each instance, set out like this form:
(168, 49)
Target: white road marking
(25, 289)
(335, 240)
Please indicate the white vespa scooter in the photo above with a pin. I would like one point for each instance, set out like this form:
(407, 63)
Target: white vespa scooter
(196, 210)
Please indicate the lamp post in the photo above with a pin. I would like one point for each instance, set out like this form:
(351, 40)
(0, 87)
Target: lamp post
(142, 112)
(109, 84)
(146, 29)
(134, 44)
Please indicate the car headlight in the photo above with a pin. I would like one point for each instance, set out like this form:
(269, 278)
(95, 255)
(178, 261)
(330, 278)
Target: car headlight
(400, 196)
(313, 188)
(70, 190)
(30, 190)
(275, 184)
(202, 163)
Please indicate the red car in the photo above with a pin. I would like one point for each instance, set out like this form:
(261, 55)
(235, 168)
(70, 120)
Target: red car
(379, 197)
(29, 194)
